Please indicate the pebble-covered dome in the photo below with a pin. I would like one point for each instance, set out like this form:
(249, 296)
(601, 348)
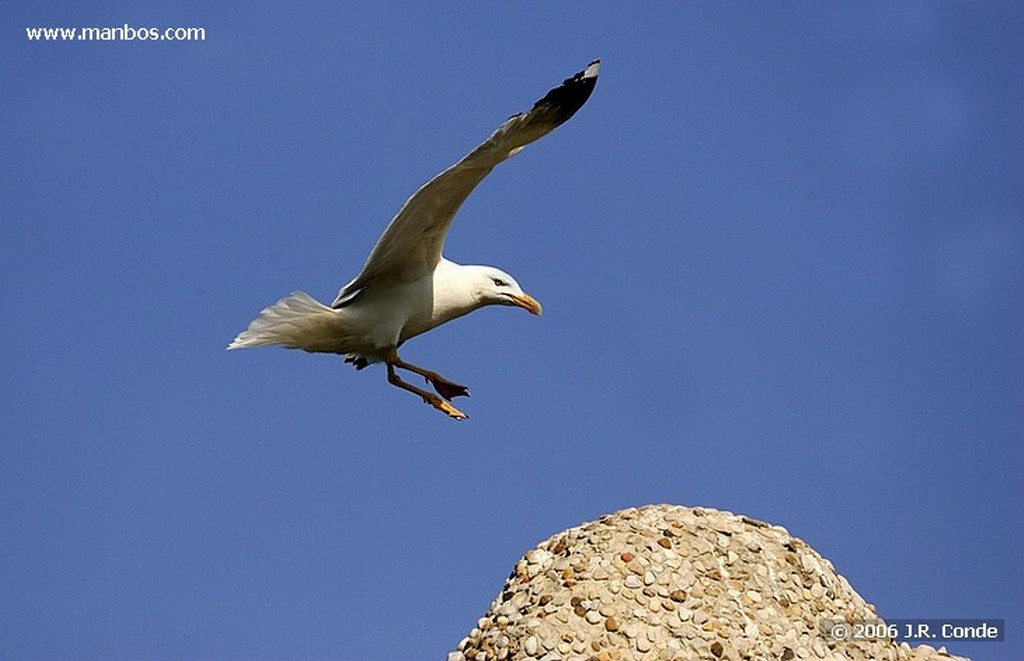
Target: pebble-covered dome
(670, 582)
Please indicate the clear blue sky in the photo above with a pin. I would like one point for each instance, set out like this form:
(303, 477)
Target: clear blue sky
(781, 257)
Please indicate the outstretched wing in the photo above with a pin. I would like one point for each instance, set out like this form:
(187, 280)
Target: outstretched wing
(411, 245)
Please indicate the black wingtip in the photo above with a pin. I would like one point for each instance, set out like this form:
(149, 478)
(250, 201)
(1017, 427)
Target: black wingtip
(570, 96)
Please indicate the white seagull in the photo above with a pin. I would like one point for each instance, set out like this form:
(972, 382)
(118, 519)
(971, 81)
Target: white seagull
(406, 286)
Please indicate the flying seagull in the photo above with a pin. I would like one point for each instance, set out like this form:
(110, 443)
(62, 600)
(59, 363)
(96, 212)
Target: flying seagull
(406, 286)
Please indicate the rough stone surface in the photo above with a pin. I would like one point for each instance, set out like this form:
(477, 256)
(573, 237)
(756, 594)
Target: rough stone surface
(675, 583)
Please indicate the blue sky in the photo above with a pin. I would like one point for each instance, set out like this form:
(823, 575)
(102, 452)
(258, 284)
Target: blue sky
(781, 257)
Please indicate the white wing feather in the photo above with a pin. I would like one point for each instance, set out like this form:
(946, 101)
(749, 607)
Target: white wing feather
(412, 243)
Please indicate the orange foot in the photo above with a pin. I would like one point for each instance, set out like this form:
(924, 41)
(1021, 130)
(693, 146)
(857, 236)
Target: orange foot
(450, 410)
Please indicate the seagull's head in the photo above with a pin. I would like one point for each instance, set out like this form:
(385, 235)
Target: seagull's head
(495, 287)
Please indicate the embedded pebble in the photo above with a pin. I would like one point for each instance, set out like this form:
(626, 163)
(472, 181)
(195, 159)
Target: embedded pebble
(664, 582)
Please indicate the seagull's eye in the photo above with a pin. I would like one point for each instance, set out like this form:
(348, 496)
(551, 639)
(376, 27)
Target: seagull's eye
(498, 282)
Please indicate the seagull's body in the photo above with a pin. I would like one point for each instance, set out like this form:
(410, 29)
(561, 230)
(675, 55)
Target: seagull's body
(407, 287)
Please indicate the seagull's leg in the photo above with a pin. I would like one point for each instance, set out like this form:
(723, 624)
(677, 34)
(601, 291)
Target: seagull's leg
(428, 397)
(443, 386)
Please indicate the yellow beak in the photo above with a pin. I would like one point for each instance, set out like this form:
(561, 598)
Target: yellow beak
(528, 303)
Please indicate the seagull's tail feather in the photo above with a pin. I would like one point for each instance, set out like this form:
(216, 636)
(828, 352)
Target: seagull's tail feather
(298, 321)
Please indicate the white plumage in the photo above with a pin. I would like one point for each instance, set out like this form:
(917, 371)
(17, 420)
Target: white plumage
(406, 286)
